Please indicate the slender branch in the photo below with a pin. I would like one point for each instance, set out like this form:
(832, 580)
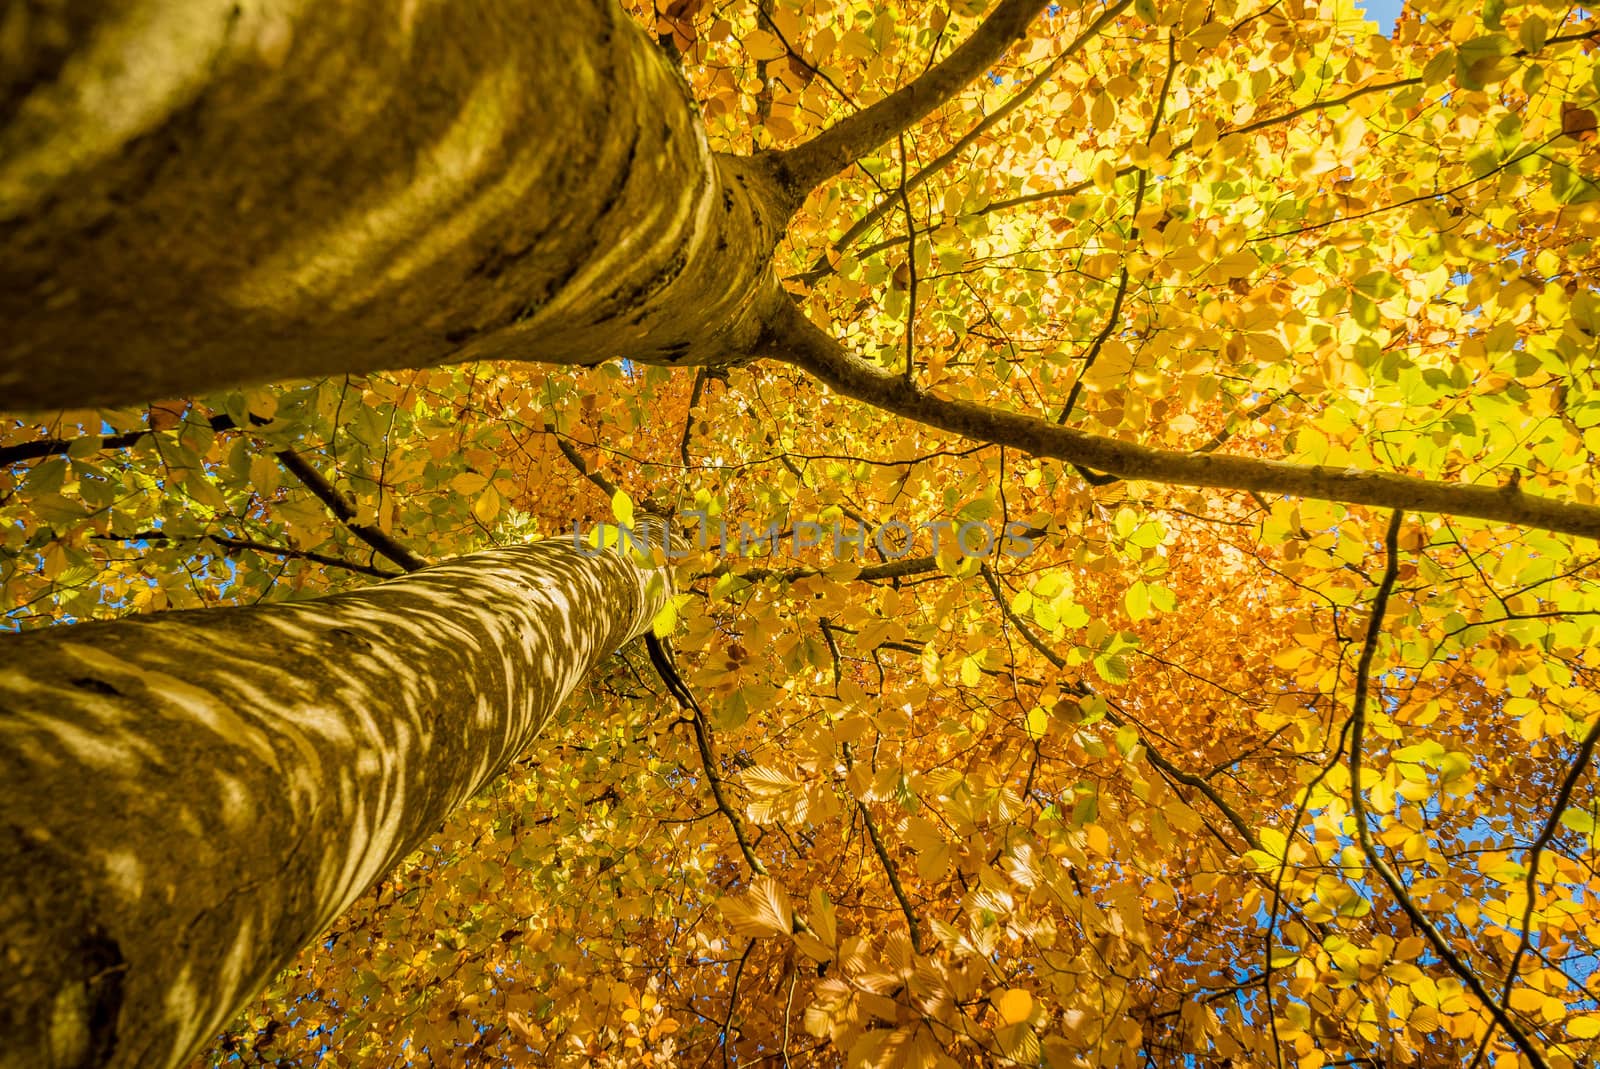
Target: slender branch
(1155, 756)
(1569, 783)
(733, 999)
(1184, 146)
(894, 569)
(1218, 440)
(1358, 809)
(239, 544)
(834, 149)
(323, 490)
(380, 541)
(911, 267)
(1100, 339)
(1022, 200)
(800, 476)
(696, 718)
(575, 458)
(1563, 797)
(794, 339)
(695, 393)
(950, 155)
(1115, 317)
(1420, 198)
(53, 447)
(893, 874)
(708, 761)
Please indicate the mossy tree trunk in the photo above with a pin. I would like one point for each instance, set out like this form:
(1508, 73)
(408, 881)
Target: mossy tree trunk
(190, 798)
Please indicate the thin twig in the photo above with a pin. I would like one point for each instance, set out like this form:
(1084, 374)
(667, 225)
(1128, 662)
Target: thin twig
(806, 166)
(953, 153)
(1156, 758)
(733, 998)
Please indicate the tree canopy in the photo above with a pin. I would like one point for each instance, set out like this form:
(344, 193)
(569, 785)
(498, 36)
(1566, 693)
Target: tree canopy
(1267, 737)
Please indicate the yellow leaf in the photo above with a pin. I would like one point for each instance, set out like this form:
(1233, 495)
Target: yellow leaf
(1526, 1000)
(1103, 112)
(823, 919)
(1423, 1019)
(1105, 176)
(622, 508)
(763, 47)
(763, 910)
(1037, 723)
(487, 507)
(1137, 601)
(1014, 1005)
(261, 402)
(528, 1031)
(468, 483)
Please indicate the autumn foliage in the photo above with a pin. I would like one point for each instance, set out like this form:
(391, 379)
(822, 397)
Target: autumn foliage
(1205, 778)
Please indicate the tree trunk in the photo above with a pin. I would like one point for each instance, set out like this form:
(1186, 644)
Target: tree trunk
(191, 798)
(198, 194)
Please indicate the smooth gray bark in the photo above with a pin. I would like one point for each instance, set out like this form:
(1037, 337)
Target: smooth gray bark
(199, 193)
(190, 798)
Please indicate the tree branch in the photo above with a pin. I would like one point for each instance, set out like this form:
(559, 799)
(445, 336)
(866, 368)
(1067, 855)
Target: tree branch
(323, 490)
(695, 393)
(1358, 809)
(1156, 758)
(893, 874)
(834, 149)
(708, 761)
(381, 542)
(794, 339)
(950, 155)
(1115, 317)
(575, 458)
(237, 544)
(891, 569)
(54, 447)
(1569, 783)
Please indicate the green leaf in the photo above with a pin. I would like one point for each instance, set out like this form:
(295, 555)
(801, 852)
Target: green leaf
(1163, 598)
(1579, 820)
(1137, 601)
(1113, 668)
(1533, 33)
(46, 477)
(1087, 808)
